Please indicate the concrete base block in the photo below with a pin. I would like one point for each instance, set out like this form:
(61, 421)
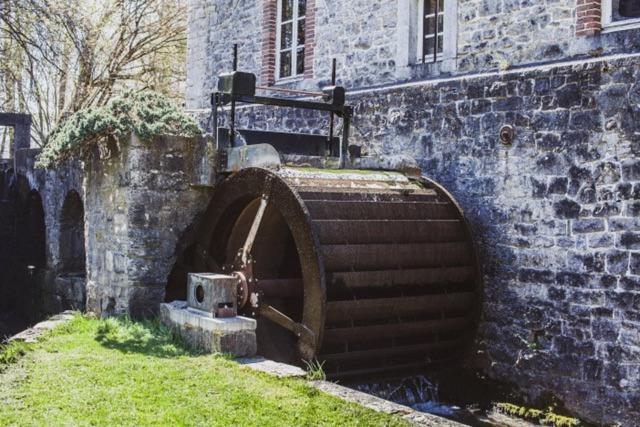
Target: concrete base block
(232, 335)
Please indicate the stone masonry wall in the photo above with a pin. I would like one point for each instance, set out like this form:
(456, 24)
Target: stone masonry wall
(58, 291)
(214, 26)
(139, 202)
(364, 37)
(503, 33)
(556, 214)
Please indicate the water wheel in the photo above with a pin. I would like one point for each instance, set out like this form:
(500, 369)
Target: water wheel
(363, 271)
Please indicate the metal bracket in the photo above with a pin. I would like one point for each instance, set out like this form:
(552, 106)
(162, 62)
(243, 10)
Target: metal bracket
(279, 318)
(240, 87)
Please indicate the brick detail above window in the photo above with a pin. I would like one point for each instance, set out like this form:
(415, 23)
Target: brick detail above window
(269, 22)
(588, 17)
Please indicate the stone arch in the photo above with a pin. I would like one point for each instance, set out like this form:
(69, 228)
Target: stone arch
(72, 246)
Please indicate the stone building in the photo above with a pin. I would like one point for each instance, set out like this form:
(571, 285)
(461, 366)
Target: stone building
(556, 211)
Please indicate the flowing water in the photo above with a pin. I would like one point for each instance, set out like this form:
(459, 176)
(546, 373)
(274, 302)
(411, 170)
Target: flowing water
(458, 396)
(417, 392)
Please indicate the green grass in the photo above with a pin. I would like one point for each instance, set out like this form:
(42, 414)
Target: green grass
(118, 372)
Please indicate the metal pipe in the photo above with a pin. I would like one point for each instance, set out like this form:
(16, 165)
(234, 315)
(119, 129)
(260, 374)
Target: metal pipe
(293, 91)
(232, 125)
(214, 119)
(344, 141)
(332, 114)
(283, 102)
(235, 57)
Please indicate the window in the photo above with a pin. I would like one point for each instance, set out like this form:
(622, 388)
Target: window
(427, 33)
(290, 38)
(620, 14)
(430, 30)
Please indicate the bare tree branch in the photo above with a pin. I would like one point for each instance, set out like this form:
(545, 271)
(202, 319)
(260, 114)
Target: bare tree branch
(60, 56)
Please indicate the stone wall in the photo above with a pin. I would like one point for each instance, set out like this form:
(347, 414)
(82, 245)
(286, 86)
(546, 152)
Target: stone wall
(59, 290)
(556, 214)
(504, 33)
(214, 26)
(137, 198)
(33, 284)
(369, 39)
(140, 200)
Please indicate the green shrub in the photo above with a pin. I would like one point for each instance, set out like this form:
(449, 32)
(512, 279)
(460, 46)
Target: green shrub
(147, 114)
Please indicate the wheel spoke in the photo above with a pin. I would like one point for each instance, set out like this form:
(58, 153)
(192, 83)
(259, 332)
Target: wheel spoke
(253, 231)
(276, 316)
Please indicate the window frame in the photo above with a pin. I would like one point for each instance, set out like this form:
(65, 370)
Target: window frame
(295, 18)
(421, 37)
(407, 37)
(609, 25)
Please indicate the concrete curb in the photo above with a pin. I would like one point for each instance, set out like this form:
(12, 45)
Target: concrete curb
(382, 405)
(282, 370)
(33, 334)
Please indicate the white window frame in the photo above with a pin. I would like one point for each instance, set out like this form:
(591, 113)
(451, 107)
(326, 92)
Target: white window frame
(420, 32)
(609, 25)
(294, 39)
(409, 37)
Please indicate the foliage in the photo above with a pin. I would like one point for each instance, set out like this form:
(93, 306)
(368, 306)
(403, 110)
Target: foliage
(61, 56)
(547, 417)
(120, 372)
(146, 113)
(315, 370)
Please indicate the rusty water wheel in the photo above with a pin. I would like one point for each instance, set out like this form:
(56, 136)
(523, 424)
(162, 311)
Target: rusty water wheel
(365, 272)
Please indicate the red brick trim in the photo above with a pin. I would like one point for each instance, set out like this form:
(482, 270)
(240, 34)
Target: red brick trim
(310, 41)
(269, 15)
(588, 17)
(269, 21)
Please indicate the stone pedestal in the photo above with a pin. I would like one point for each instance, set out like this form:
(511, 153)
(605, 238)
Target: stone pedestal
(200, 330)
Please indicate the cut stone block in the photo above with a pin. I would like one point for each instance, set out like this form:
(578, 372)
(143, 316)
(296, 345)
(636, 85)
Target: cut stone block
(214, 293)
(232, 335)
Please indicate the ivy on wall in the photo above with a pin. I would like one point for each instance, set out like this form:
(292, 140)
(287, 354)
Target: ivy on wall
(147, 114)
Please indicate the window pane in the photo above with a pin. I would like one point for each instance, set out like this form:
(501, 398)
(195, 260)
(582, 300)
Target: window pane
(287, 10)
(429, 26)
(626, 9)
(428, 46)
(429, 7)
(300, 61)
(302, 8)
(440, 23)
(285, 64)
(301, 27)
(286, 35)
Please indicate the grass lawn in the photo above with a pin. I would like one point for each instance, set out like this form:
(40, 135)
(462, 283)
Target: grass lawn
(117, 372)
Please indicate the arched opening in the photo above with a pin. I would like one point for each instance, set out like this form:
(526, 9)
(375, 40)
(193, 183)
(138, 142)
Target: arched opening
(36, 232)
(22, 257)
(72, 252)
